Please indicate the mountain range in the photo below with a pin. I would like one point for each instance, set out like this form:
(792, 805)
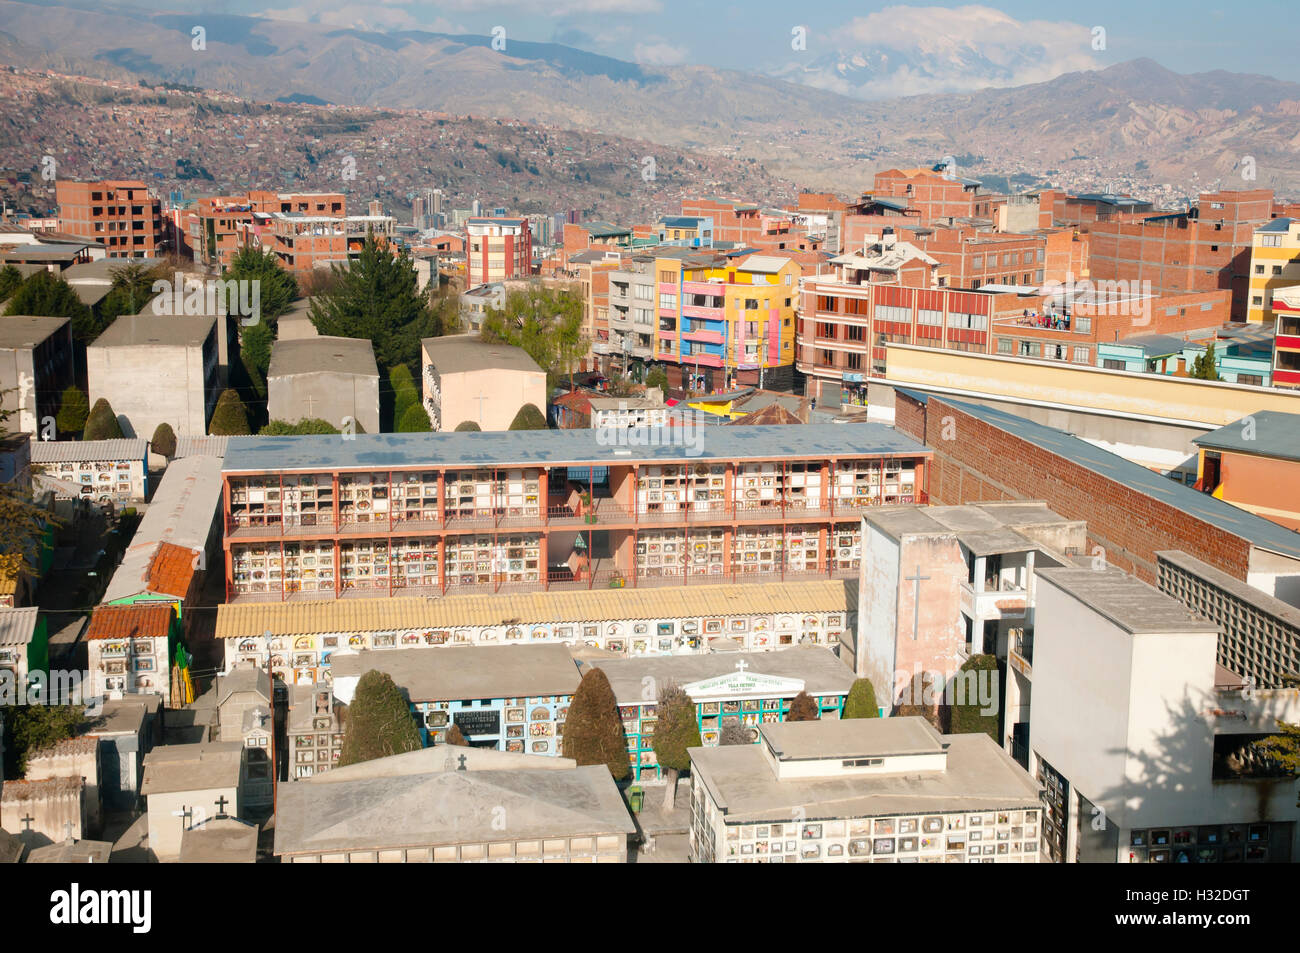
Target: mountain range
(1134, 122)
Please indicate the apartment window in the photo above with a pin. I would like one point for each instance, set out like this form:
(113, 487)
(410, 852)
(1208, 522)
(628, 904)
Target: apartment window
(825, 303)
(751, 328)
(1006, 260)
(1112, 365)
(968, 322)
(751, 304)
(1256, 300)
(1026, 281)
(928, 317)
(787, 302)
(1040, 256)
(977, 263)
(668, 302)
(828, 357)
(1027, 349)
(1270, 241)
(856, 332)
(855, 362)
(1256, 379)
(886, 312)
(825, 329)
(1080, 355)
(1005, 345)
(667, 277)
(643, 292)
(1259, 269)
(1277, 269)
(1081, 325)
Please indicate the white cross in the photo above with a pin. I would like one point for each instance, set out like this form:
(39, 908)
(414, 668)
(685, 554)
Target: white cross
(916, 601)
(480, 398)
(741, 666)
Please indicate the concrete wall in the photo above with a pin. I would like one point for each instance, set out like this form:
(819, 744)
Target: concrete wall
(78, 758)
(503, 393)
(327, 396)
(149, 385)
(877, 636)
(166, 827)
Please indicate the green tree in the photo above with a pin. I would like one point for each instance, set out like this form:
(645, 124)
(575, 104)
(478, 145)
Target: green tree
(676, 731)
(46, 294)
(74, 408)
(379, 721)
(10, 279)
(546, 322)
(131, 290)
(405, 395)
(376, 298)
(255, 343)
(735, 735)
(415, 420)
(1205, 366)
(861, 701)
(456, 737)
(33, 727)
(658, 377)
(229, 418)
(164, 440)
(529, 418)
(593, 732)
(102, 424)
(22, 521)
(1283, 747)
(468, 426)
(308, 425)
(969, 711)
(802, 708)
(276, 288)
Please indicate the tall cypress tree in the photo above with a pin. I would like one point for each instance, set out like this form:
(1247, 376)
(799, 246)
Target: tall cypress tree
(379, 721)
(593, 731)
(676, 731)
(861, 700)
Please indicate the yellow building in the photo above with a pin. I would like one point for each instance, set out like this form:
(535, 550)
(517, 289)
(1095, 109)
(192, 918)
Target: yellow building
(1274, 263)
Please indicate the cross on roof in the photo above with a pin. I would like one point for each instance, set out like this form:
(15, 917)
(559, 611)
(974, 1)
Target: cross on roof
(221, 803)
(461, 761)
(741, 666)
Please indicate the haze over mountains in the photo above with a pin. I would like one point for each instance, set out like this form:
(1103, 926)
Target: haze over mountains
(1132, 123)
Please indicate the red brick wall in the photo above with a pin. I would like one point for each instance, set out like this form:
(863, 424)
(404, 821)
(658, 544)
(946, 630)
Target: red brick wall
(981, 462)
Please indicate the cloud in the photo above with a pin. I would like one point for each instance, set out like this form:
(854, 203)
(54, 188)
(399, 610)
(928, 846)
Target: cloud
(658, 54)
(558, 8)
(901, 51)
(375, 15)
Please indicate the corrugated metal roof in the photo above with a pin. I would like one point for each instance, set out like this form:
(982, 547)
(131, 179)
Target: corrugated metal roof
(241, 620)
(17, 625)
(201, 446)
(86, 451)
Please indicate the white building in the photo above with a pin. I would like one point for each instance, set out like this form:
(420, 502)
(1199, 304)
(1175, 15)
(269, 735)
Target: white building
(468, 379)
(107, 471)
(1142, 741)
(186, 785)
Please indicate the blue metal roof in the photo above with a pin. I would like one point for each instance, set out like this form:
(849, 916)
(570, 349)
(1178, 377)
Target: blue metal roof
(561, 447)
(1277, 225)
(1253, 529)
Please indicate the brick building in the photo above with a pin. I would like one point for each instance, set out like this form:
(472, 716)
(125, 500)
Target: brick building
(225, 223)
(121, 215)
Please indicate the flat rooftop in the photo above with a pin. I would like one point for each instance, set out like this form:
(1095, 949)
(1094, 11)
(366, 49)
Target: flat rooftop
(466, 353)
(560, 448)
(978, 775)
(174, 768)
(1268, 433)
(505, 671)
(1127, 601)
(983, 528)
(21, 331)
(816, 667)
(151, 330)
(320, 354)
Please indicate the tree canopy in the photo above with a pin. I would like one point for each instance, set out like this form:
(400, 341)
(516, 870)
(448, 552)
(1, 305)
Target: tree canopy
(546, 322)
(131, 290)
(33, 727)
(529, 418)
(376, 297)
(308, 425)
(1205, 367)
(379, 721)
(276, 289)
(22, 521)
(467, 426)
(676, 729)
(46, 294)
(802, 708)
(102, 424)
(967, 714)
(230, 417)
(861, 700)
(415, 420)
(74, 408)
(164, 440)
(593, 731)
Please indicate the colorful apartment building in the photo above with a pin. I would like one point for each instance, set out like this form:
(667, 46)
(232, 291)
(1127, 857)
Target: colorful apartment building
(315, 518)
(1286, 343)
(1252, 463)
(712, 321)
(121, 214)
(1202, 249)
(1274, 263)
(497, 249)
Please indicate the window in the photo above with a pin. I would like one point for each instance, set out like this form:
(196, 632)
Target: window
(1081, 355)
(856, 332)
(1255, 379)
(968, 322)
(977, 263)
(1259, 269)
(828, 357)
(1005, 345)
(1270, 241)
(825, 303)
(643, 292)
(1256, 300)
(855, 362)
(897, 315)
(1113, 365)
(667, 277)
(1277, 269)
(668, 302)
(928, 317)
(825, 329)
(1027, 349)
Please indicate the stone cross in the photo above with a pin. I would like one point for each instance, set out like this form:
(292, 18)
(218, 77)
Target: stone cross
(916, 601)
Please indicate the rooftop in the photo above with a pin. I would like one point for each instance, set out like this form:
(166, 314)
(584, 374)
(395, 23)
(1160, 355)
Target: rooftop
(448, 807)
(502, 671)
(142, 621)
(17, 626)
(1253, 529)
(1127, 601)
(86, 451)
(174, 768)
(241, 620)
(466, 353)
(25, 331)
(1268, 433)
(978, 774)
(72, 852)
(168, 330)
(558, 448)
(314, 355)
(222, 840)
(852, 738)
(816, 669)
(983, 528)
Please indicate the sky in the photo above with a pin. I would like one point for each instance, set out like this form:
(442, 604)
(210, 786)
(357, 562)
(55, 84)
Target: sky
(931, 46)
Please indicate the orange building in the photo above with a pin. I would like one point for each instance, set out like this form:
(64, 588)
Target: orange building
(936, 196)
(120, 214)
(225, 223)
(1254, 464)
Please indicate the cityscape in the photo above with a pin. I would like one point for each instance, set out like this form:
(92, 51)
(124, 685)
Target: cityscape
(591, 434)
